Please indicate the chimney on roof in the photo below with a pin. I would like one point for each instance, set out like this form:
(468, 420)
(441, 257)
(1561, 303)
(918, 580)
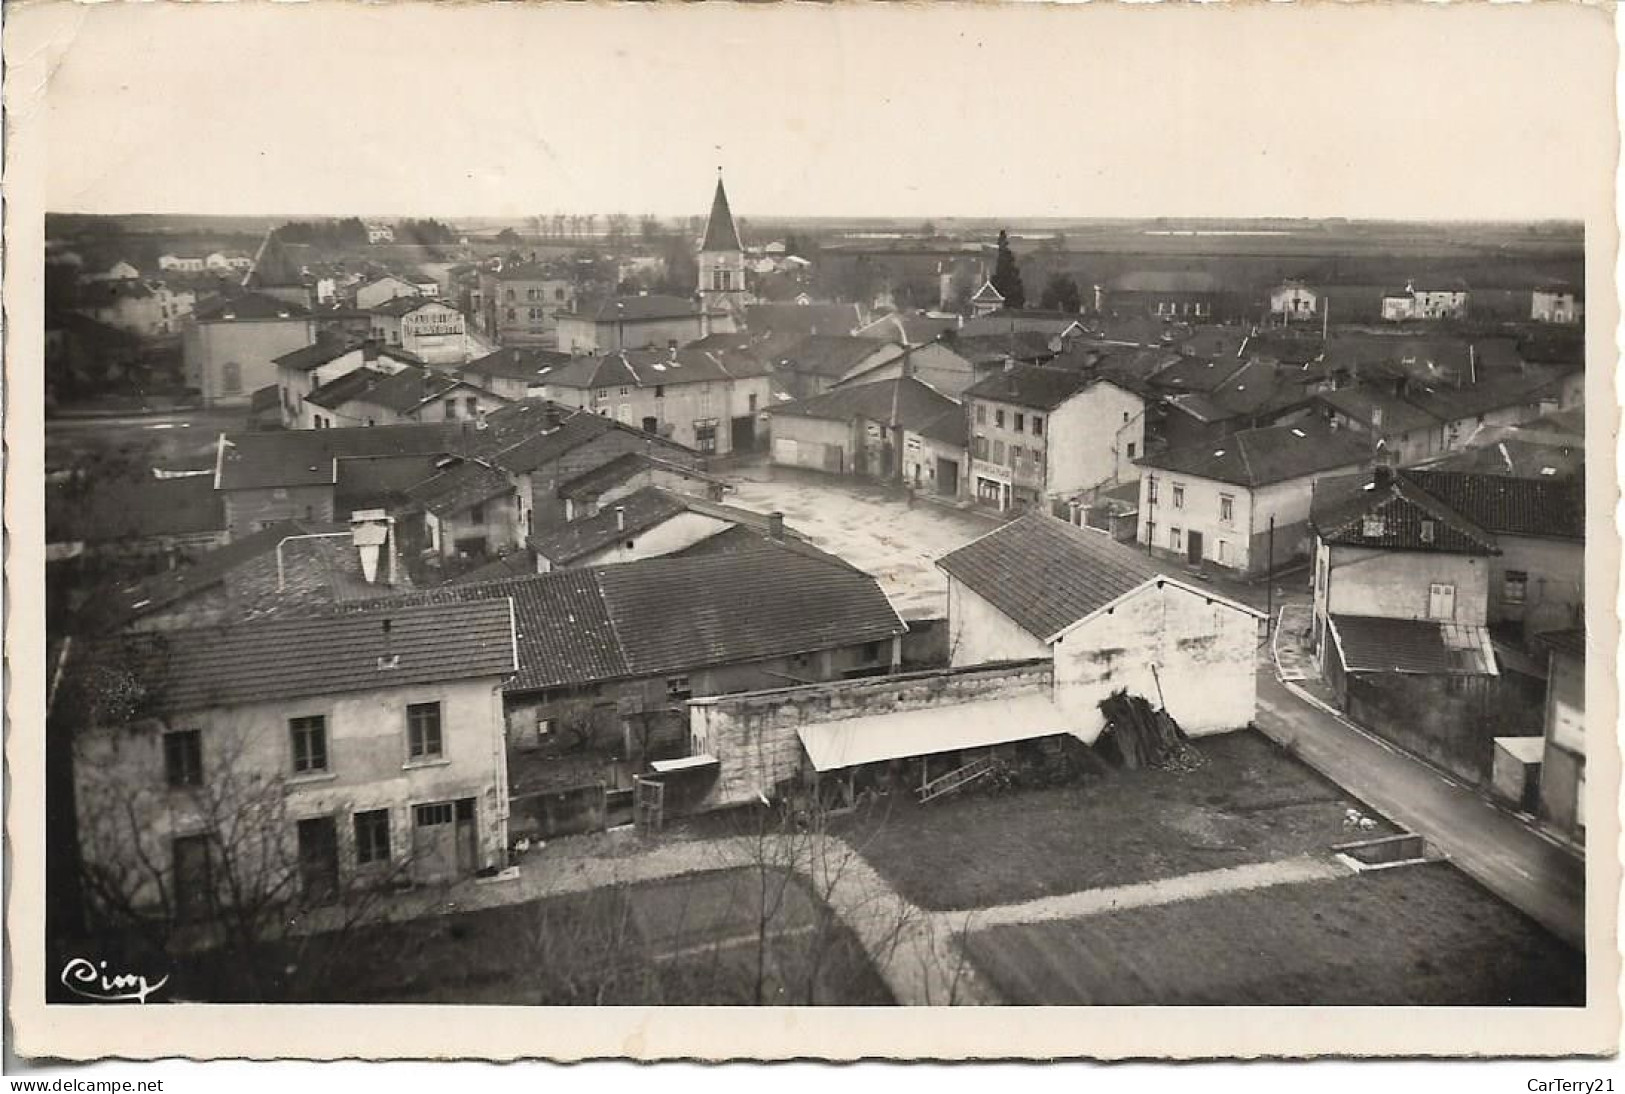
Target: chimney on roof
(775, 526)
(370, 533)
(1382, 474)
(620, 518)
(550, 418)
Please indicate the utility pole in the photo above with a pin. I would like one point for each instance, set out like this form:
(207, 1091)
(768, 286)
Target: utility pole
(1269, 581)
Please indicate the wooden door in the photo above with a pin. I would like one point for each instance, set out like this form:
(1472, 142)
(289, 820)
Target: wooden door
(467, 838)
(318, 859)
(1441, 601)
(1193, 547)
(192, 876)
(434, 841)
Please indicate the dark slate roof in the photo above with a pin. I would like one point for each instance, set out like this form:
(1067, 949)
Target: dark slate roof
(1508, 506)
(903, 401)
(654, 368)
(627, 516)
(1517, 458)
(1022, 321)
(1035, 386)
(305, 457)
(634, 308)
(1416, 646)
(131, 509)
(1193, 373)
(408, 389)
(1046, 574)
(251, 305)
(949, 427)
(681, 613)
(529, 271)
(1361, 404)
(1387, 510)
(910, 329)
(381, 482)
(296, 657)
(341, 389)
(317, 354)
(466, 483)
(405, 305)
(802, 318)
(677, 614)
(594, 482)
(1455, 403)
(207, 570)
(515, 363)
(1259, 457)
(520, 563)
(828, 355)
(720, 232)
(986, 348)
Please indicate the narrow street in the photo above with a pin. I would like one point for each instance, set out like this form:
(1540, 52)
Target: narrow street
(1495, 849)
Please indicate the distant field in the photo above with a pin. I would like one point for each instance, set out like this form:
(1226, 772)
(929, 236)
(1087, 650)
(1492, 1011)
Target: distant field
(1413, 936)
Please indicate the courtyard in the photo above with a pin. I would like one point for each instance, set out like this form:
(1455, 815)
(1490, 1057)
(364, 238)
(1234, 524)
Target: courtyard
(870, 526)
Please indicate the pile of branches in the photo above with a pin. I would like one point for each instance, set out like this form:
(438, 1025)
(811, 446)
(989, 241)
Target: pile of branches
(1140, 735)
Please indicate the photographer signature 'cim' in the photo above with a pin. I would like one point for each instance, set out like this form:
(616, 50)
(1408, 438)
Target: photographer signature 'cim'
(88, 980)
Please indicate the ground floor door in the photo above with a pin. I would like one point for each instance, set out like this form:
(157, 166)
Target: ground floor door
(318, 859)
(444, 840)
(947, 477)
(192, 876)
(744, 433)
(651, 425)
(1193, 547)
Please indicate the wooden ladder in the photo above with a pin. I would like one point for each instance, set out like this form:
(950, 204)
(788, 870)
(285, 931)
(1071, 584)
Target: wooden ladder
(953, 780)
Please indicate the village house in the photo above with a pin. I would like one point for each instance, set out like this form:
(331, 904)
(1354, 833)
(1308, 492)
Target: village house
(938, 364)
(986, 300)
(1293, 300)
(1059, 328)
(181, 263)
(150, 309)
(1445, 299)
(645, 523)
(1192, 296)
(1556, 304)
(227, 262)
(861, 429)
(1040, 433)
(521, 302)
(1562, 794)
(630, 472)
(380, 233)
(611, 324)
(470, 510)
(909, 328)
(231, 344)
(432, 331)
(1243, 505)
(394, 395)
(304, 370)
(801, 320)
(512, 372)
(118, 271)
(381, 290)
(356, 748)
(817, 362)
(1231, 395)
(705, 400)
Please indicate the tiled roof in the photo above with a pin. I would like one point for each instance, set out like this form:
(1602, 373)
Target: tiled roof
(1449, 403)
(1361, 404)
(405, 305)
(317, 354)
(802, 318)
(251, 305)
(1508, 506)
(466, 483)
(297, 657)
(1021, 345)
(408, 389)
(592, 483)
(1023, 321)
(1045, 574)
(529, 271)
(949, 427)
(341, 389)
(828, 355)
(515, 363)
(520, 563)
(720, 232)
(1517, 458)
(304, 457)
(1414, 646)
(1260, 457)
(676, 614)
(908, 328)
(381, 482)
(1387, 510)
(634, 308)
(654, 368)
(904, 401)
(131, 509)
(1192, 373)
(1035, 386)
(205, 571)
(627, 516)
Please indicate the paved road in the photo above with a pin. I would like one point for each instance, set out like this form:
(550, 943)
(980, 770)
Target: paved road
(1524, 869)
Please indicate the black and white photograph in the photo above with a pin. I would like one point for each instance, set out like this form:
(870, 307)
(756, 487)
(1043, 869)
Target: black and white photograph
(818, 508)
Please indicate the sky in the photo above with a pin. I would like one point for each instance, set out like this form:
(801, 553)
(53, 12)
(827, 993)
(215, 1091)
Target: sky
(837, 110)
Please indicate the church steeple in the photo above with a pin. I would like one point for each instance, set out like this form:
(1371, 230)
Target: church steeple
(720, 233)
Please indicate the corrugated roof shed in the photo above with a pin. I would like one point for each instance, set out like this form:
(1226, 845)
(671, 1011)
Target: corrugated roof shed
(1413, 646)
(1045, 574)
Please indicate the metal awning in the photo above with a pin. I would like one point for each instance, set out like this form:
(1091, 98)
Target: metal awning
(852, 741)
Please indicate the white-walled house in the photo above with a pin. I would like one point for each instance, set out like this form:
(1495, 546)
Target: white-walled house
(1556, 304)
(360, 747)
(1039, 433)
(1042, 588)
(1294, 300)
(381, 290)
(1212, 504)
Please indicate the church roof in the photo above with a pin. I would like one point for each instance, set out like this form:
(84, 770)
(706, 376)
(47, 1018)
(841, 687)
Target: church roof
(720, 233)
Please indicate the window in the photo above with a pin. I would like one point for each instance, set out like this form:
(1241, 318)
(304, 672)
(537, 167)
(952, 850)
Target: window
(509, 297)
(1131, 450)
(1514, 587)
(423, 740)
(979, 447)
(1224, 551)
(558, 294)
(998, 418)
(1179, 496)
(1175, 538)
(871, 651)
(309, 743)
(705, 436)
(476, 513)
(1373, 526)
(998, 452)
(1021, 423)
(1227, 507)
(1125, 416)
(451, 410)
(429, 816)
(1038, 426)
(231, 378)
(372, 837)
(1427, 531)
(1015, 457)
(623, 391)
(183, 757)
(679, 689)
(512, 314)
(660, 391)
(753, 402)
(1151, 489)
(981, 414)
(471, 406)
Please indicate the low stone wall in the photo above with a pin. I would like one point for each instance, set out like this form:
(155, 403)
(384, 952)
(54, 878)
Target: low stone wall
(753, 735)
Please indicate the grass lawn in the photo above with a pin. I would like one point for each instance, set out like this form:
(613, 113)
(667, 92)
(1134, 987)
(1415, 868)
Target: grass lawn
(1419, 935)
(688, 941)
(1249, 803)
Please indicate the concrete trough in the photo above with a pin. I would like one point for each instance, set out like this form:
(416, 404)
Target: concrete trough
(1386, 852)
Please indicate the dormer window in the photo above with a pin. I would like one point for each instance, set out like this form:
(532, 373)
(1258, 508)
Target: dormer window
(1427, 531)
(1373, 526)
